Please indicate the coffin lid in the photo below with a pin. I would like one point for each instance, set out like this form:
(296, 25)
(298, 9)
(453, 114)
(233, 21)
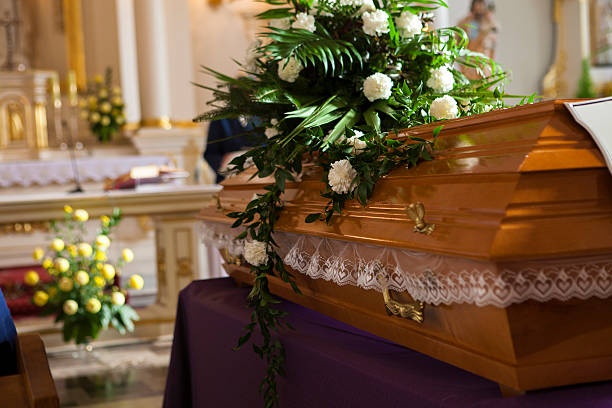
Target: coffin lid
(513, 184)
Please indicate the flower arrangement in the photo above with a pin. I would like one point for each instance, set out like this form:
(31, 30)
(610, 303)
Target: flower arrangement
(83, 293)
(102, 107)
(332, 81)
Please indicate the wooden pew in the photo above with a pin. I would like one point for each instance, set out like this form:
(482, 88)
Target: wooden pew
(32, 386)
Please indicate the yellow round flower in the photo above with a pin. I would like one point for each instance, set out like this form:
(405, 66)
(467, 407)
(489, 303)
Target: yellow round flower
(100, 256)
(99, 266)
(105, 121)
(116, 90)
(81, 215)
(62, 264)
(98, 79)
(85, 249)
(52, 291)
(82, 103)
(65, 284)
(105, 220)
(67, 209)
(118, 298)
(93, 305)
(31, 278)
(99, 281)
(82, 278)
(47, 263)
(70, 307)
(117, 100)
(103, 241)
(40, 298)
(57, 244)
(108, 271)
(128, 255)
(84, 114)
(120, 120)
(72, 250)
(136, 282)
(105, 107)
(92, 100)
(38, 254)
(103, 93)
(94, 117)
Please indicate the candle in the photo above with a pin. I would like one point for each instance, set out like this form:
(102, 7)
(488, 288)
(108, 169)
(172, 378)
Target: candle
(55, 91)
(584, 29)
(73, 96)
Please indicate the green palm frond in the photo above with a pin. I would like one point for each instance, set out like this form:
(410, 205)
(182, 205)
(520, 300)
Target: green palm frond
(310, 48)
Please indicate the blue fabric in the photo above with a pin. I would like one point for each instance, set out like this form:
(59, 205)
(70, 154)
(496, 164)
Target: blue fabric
(8, 338)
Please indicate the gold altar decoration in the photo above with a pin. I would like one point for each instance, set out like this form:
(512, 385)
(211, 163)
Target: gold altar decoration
(73, 21)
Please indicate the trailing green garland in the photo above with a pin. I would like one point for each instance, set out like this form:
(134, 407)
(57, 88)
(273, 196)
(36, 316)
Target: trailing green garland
(327, 83)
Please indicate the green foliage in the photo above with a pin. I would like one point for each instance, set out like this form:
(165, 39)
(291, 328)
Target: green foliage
(324, 116)
(586, 88)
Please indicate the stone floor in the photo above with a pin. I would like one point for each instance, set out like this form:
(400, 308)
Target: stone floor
(129, 375)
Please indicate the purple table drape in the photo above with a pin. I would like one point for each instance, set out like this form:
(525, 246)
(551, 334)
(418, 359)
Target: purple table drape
(328, 364)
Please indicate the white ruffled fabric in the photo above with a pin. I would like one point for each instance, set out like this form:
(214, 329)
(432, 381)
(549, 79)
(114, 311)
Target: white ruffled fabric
(96, 169)
(430, 278)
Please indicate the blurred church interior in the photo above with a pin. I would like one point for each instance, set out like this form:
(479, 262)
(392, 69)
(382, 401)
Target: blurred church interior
(56, 55)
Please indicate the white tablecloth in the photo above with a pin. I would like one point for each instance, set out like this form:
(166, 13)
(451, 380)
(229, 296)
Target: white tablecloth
(96, 169)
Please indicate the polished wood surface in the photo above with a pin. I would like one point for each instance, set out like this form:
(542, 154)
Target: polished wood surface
(519, 185)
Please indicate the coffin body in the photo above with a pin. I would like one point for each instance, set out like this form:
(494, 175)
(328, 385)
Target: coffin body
(516, 277)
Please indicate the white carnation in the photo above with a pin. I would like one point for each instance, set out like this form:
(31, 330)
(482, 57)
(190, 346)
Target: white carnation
(444, 108)
(408, 24)
(281, 23)
(305, 22)
(377, 86)
(341, 176)
(289, 70)
(255, 253)
(271, 132)
(355, 141)
(375, 22)
(441, 80)
(368, 5)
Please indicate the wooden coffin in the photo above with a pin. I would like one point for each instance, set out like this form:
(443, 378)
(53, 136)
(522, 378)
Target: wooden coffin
(516, 277)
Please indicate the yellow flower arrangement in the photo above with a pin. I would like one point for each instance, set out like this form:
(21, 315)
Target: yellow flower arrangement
(103, 107)
(84, 291)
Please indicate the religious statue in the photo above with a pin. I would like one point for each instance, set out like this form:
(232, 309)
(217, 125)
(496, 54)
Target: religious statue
(482, 29)
(11, 25)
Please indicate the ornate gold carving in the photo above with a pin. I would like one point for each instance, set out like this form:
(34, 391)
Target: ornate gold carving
(74, 40)
(412, 310)
(185, 267)
(24, 227)
(230, 259)
(416, 212)
(163, 122)
(40, 125)
(146, 223)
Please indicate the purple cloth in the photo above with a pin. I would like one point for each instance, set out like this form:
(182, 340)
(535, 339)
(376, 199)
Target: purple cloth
(328, 364)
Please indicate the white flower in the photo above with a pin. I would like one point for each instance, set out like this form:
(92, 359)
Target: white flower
(280, 23)
(408, 24)
(255, 253)
(441, 80)
(488, 108)
(117, 298)
(368, 5)
(375, 22)
(271, 132)
(341, 176)
(377, 86)
(444, 108)
(315, 9)
(305, 22)
(289, 70)
(355, 141)
(274, 121)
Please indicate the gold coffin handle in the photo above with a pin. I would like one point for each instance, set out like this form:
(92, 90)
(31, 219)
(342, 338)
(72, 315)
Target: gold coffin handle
(412, 310)
(416, 212)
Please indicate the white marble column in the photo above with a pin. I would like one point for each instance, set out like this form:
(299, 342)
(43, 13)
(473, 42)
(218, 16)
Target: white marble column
(128, 62)
(153, 62)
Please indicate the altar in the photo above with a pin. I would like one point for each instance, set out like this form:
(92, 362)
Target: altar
(166, 212)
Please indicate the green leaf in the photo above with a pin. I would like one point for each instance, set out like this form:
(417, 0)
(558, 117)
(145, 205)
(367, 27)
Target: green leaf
(310, 218)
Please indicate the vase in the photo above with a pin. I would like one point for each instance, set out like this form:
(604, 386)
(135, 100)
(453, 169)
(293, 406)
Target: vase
(84, 352)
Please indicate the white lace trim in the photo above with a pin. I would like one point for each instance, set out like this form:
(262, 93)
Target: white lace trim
(430, 278)
(45, 172)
